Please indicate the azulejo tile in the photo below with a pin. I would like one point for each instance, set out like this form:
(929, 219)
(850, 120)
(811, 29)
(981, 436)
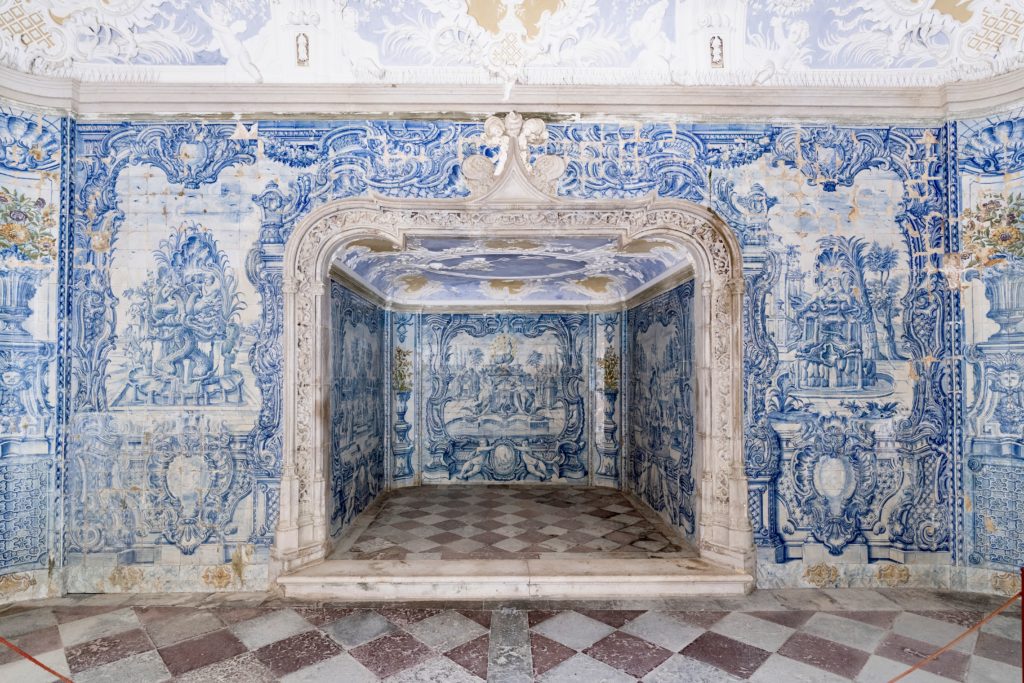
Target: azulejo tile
(768, 182)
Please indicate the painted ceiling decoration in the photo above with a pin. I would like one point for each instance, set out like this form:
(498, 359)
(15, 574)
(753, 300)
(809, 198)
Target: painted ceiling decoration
(686, 42)
(478, 271)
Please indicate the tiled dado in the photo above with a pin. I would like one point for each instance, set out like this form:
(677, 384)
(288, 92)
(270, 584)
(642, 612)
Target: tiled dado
(806, 635)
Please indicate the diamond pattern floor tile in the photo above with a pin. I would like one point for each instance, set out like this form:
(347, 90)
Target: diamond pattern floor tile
(683, 640)
(515, 521)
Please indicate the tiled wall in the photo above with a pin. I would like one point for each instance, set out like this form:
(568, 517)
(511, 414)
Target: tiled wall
(32, 210)
(990, 205)
(358, 405)
(866, 414)
(505, 397)
(499, 398)
(660, 424)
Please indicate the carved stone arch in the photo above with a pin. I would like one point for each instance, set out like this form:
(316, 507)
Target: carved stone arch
(517, 199)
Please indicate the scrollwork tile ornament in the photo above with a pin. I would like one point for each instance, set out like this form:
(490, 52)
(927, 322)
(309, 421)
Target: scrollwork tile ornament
(822, 575)
(513, 204)
(893, 575)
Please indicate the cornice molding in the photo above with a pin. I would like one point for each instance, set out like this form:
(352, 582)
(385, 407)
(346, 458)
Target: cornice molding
(735, 103)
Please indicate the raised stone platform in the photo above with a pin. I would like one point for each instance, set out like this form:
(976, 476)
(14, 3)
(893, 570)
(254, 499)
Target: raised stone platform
(568, 578)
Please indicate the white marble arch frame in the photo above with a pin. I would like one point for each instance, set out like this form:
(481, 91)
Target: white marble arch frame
(512, 204)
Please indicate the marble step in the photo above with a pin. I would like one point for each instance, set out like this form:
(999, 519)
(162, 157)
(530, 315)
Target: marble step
(570, 578)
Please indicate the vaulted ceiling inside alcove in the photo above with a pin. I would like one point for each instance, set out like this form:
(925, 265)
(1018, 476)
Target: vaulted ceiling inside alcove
(467, 271)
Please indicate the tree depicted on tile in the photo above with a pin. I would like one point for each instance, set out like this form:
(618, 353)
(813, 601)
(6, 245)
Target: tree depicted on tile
(991, 222)
(161, 398)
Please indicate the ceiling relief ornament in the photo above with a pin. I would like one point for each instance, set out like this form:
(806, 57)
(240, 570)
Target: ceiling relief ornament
(512, 42)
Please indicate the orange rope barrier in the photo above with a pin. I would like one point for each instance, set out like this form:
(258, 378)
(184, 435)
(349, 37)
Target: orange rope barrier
(62, 677)
(935, 655)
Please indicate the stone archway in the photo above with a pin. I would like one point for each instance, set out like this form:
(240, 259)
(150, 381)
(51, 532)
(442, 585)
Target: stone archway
(514, 198)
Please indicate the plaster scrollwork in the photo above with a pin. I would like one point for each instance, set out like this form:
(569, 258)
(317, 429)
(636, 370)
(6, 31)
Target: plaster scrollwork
(518, 199)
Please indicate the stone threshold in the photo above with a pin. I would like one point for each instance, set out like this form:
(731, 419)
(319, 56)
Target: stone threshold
(570, 578)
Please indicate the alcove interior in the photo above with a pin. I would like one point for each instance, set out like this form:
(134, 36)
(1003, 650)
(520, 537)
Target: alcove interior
(512, 398)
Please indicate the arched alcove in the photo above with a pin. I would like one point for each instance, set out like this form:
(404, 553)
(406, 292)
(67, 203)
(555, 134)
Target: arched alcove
(515, 198)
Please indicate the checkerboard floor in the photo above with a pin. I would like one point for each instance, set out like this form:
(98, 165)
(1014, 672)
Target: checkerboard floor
(508, 522)
(783, 635)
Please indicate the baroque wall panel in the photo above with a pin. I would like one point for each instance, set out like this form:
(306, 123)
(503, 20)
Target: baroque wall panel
(660, 466)
(175, 323)
(505, 397)
(358, 385)
(990, 164)
(32, 210)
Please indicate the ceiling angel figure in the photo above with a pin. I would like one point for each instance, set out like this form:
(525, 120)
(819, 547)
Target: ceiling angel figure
(891, 33)
(648, 36)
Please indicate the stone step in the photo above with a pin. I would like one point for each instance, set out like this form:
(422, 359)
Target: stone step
(569, 579)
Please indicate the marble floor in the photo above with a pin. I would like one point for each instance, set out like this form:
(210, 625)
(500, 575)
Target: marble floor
(508, 522)
(781, 635)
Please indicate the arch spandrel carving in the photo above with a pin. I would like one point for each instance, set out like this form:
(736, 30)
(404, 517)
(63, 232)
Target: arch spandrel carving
(517, 200)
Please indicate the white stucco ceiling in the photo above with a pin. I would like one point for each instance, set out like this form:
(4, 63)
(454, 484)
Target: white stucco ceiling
(872, 42)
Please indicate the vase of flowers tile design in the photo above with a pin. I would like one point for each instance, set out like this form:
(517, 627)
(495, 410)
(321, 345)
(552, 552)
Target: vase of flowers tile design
(1004, 289)
(610, 448)
(403, 447)
(993, 243)
(27, 248)
(18, 284)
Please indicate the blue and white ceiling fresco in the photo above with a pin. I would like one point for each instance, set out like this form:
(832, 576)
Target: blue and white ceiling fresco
(479, 271)
(897, 42)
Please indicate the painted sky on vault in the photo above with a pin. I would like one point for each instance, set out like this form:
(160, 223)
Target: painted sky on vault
(482, 271)
(524, 41)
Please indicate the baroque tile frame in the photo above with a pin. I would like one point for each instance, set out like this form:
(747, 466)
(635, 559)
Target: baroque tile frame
(514, 197)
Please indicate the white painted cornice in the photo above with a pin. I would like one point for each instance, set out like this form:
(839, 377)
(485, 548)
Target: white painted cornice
(731, 103)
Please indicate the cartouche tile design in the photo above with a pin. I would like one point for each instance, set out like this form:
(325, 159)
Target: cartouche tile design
(654, 641)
